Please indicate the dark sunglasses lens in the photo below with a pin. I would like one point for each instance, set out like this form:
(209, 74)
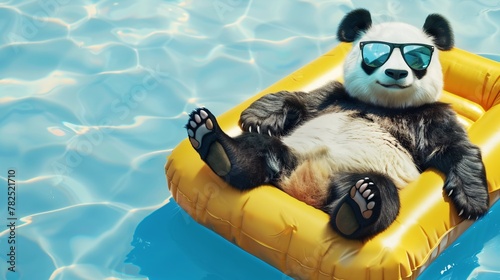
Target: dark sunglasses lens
(418, 57)
(376, 54)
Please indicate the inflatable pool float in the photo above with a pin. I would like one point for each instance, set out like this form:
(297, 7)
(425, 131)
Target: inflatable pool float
(295, 237)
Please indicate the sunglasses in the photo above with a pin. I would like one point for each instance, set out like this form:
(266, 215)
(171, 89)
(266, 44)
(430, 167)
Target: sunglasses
(376, 53)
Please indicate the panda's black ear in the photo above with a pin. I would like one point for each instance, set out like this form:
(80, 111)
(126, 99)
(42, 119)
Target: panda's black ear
(440, 30)
(353, 24)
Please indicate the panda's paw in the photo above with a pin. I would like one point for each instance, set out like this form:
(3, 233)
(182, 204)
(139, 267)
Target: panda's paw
(269, 115)
(361, 193)
(200, 126)
(469, 195)
(358, 210)
(269, 126)
(204, 135)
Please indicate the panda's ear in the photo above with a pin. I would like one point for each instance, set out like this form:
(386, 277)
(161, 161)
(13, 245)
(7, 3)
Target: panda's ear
(353, 24)
(440, 30)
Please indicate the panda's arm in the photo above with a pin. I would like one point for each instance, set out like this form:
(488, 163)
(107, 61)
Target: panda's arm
(278, 113)
(443, 144)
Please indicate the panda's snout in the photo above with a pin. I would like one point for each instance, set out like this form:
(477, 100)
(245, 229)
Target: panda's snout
(396, 74)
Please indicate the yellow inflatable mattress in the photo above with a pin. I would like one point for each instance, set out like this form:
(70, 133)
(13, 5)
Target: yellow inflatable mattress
(296, 238)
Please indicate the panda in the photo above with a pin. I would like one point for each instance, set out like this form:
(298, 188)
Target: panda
(348, 149)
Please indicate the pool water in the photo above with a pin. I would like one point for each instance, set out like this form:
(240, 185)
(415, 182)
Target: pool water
(94, 96)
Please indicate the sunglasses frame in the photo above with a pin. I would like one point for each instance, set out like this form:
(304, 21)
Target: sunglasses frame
(392, 46)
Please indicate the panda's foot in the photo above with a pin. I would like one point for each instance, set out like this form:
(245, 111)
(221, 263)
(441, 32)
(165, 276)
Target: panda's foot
(358, 210)
(204, 134)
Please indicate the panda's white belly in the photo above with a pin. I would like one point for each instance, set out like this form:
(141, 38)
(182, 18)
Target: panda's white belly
(353, 145)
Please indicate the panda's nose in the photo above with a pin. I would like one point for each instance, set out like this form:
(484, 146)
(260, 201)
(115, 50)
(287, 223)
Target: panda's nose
(396, 74)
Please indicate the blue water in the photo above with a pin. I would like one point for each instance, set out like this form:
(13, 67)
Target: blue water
(94, 96)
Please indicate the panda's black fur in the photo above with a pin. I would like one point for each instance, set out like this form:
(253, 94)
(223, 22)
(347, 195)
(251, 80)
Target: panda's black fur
(347, 149)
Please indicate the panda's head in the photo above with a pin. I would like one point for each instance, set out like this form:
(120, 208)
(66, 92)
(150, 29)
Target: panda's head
(394, 64)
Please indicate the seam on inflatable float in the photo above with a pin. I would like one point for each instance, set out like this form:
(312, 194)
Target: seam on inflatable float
(243, 215)
(497, 96)
(220, 219)
(169, 163)
(490, 95)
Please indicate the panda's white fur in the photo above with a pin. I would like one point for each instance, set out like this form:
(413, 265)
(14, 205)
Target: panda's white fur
(369, 88)
(352, 144)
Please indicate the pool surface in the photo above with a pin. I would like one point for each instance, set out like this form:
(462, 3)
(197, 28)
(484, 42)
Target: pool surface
(94, 96)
